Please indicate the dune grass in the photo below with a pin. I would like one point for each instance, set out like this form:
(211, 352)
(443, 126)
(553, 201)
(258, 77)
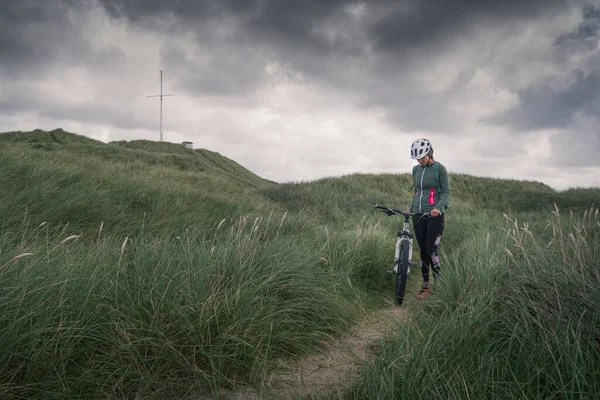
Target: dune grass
(148, 270)
(515, 316)
(61, 178)
(164, 317)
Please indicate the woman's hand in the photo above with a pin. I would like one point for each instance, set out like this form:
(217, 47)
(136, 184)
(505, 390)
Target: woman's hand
(435, 212)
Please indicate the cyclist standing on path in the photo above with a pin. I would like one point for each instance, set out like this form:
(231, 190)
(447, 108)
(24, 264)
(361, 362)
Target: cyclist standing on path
(432, 195)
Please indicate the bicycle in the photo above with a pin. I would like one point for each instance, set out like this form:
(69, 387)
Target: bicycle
(403, 256)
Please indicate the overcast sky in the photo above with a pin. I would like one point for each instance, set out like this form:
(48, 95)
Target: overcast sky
(300, 90)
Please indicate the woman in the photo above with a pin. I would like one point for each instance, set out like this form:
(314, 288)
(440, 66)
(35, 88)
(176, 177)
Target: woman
(432, 195)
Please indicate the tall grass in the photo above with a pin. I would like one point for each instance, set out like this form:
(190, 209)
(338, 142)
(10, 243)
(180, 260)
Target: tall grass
(144, 269)
(516, 316)
(154, 317)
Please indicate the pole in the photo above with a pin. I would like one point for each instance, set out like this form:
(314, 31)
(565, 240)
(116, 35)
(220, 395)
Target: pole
(161, 95)
(161, 113)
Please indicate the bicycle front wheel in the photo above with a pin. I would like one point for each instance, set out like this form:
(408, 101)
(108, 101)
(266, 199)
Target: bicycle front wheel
(402, 274)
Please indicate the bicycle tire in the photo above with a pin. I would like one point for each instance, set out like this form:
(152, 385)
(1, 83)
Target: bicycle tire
(402, 272)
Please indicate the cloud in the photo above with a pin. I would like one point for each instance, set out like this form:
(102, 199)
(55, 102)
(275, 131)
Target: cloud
(421, 24)
(409, 58)
(209, 71)
(545, 107)
(552, 101)
(36, 36)
(579, 145)
(565, 97)
(299, 89)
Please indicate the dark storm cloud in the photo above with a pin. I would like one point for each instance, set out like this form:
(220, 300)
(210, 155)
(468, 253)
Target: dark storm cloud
(137, 10)
(418, 23)
(391, 24)
(363, 47)
(587, 29)
(286, 30)
(327, 42)
(31, 33)
(542, 107)
(546, 106)
(213, 72)
(276, 30)
(408, 107)
(37, 34)
(289, 18)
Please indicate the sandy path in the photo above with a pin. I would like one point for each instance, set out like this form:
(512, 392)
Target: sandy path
(329, 372)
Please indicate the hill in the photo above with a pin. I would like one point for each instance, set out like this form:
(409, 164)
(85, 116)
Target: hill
(149, 270)
(67, 178)
(60, 177)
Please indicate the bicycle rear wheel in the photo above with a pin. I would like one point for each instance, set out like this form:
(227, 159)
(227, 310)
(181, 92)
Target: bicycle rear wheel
(402, 274)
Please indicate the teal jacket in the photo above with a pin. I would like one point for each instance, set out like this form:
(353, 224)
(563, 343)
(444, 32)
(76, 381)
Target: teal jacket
(427, 196)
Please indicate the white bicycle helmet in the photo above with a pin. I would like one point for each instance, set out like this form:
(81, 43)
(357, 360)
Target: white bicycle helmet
(419, 149)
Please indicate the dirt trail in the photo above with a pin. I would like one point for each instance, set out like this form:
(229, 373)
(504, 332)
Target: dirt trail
(329, 372)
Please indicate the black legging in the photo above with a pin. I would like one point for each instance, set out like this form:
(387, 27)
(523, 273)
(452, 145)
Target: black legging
(428, 232)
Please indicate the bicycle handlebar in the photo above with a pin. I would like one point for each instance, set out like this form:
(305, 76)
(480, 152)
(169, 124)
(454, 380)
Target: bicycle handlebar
(392, 211)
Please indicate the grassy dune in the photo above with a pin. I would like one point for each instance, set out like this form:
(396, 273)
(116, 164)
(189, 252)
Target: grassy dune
(515, 316)
(61, 178)
(145, 269)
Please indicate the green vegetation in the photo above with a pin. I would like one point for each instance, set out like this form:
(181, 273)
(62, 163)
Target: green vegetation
(516, 316)
(149, 270)
(60, 178)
